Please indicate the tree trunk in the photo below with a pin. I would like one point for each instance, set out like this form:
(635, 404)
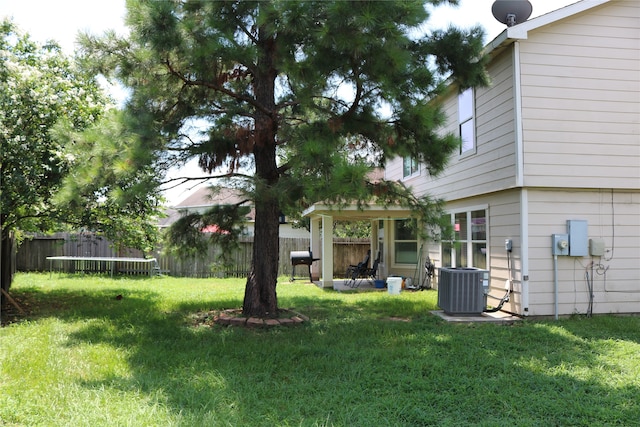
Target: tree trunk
(7, 262)
(260, 299)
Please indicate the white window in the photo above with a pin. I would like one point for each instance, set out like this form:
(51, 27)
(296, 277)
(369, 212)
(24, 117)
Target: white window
(466, 122)
(405, 242)
(469, 247)
(409, 166)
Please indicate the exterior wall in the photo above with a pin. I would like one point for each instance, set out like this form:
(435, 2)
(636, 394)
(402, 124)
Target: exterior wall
(581, 115)
(612, 216)
(580, 100)
(287, 231)
(580, 104)
(492, 166)
(388, 266)
(503, 222)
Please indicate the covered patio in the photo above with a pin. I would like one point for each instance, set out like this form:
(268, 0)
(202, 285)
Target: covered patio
(322, 218)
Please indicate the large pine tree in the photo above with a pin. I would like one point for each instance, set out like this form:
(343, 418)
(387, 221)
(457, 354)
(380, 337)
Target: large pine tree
(307, 95)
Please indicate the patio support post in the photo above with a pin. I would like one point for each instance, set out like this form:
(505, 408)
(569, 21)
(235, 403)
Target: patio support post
(316, 247)
(374, 244)
(327, 251)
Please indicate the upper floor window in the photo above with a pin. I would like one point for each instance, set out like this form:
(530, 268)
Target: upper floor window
(466, 121)
(409, 166)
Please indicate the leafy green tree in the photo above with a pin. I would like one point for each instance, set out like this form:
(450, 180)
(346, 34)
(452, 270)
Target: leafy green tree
(66, 161)
(109, 188)
(39, 86)
(311, 95)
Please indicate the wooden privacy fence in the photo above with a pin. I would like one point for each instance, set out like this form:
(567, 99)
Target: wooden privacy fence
(32, 254)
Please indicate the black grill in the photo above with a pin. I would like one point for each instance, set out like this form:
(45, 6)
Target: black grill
(302, 258)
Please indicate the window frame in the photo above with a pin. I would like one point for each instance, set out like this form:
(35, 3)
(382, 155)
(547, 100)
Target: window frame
(414, 167)
(396, 241)
(466, 120)
(469, 242)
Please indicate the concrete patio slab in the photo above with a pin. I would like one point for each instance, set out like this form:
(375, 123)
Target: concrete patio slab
(499, 317)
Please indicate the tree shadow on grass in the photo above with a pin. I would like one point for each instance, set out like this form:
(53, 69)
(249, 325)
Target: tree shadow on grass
(606, 327)
(352, 366)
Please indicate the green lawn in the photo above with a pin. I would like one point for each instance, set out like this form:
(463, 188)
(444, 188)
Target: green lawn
(84, 358)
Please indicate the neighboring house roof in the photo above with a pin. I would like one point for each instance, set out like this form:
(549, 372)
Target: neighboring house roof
(207, 197)
(212, 196)
(172, 216)
(376, 175)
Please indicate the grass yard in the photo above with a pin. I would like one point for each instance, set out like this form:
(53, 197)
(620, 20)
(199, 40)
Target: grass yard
(85, 358)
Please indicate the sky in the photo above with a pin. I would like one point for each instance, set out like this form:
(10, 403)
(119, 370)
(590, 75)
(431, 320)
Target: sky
(62, 20)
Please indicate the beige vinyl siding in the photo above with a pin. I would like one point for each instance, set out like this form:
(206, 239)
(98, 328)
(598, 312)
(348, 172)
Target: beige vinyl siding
(393, 169)
(504, 223)
(580, 90)
(492, 166)
(618, 224)
(503, 219)
(580, 83)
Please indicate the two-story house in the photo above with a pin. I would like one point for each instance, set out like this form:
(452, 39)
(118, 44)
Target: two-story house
(550, 153)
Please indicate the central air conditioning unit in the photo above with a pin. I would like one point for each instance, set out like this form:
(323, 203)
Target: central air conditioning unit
(463, 290)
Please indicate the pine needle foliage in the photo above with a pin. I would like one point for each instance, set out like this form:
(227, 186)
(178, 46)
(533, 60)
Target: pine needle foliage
(311, 94)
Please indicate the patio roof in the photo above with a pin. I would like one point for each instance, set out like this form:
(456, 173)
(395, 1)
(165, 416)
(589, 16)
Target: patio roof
(355, 212)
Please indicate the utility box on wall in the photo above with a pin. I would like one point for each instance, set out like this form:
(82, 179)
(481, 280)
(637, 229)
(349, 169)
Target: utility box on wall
(596, 247)
(578, 237)
(560, 244)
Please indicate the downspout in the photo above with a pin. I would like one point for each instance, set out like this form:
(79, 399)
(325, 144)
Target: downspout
(524, 195)
(555, 286)
(517, 88)
(524, 249)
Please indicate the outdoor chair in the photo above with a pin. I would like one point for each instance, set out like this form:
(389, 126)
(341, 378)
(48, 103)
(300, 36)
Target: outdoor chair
(355, 271)
(356, 274)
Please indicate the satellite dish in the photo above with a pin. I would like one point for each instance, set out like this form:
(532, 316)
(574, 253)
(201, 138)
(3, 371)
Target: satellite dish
(511, 12)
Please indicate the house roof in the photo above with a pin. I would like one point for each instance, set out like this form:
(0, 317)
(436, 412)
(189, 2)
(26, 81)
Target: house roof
(172, 216)
(210, 196)
(353, 212)
(521, 31)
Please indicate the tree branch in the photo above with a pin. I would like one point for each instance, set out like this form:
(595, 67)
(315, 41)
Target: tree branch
(217, 87)
(248, 33)
(358, 95)
(9, 224)
(185, 179)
